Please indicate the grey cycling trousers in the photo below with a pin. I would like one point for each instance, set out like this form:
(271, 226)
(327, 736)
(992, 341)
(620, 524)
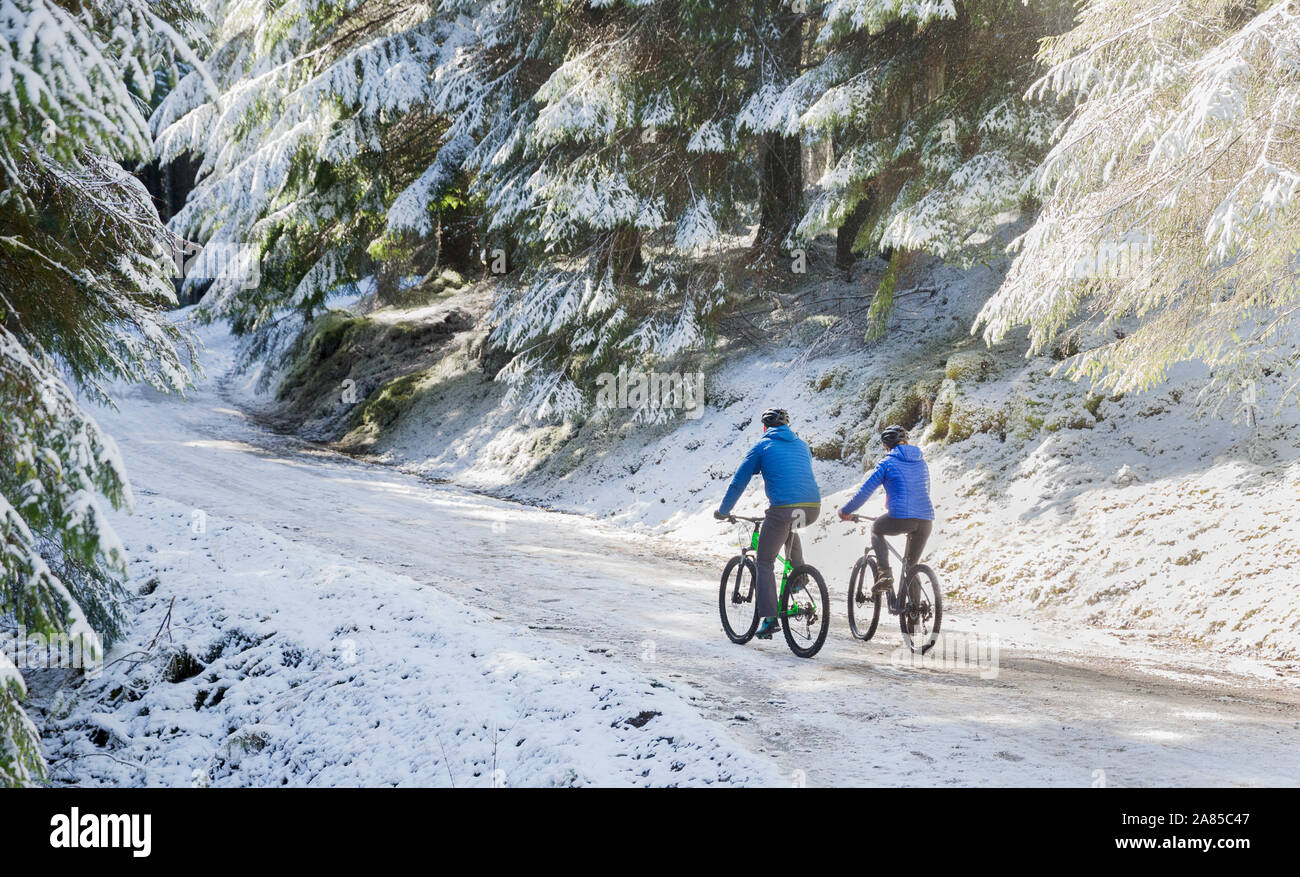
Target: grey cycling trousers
(779, 522)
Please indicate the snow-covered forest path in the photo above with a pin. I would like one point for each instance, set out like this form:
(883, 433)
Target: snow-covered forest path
(1065, 707)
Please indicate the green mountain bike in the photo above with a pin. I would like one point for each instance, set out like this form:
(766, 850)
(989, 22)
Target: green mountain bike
(918, 602)
(803, 603)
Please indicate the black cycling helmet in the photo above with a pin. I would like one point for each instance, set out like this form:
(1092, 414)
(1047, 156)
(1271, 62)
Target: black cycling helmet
(776, 417)
(892, 435)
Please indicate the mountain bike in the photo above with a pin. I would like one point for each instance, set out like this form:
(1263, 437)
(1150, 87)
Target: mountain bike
(919, 605)
(802, 599)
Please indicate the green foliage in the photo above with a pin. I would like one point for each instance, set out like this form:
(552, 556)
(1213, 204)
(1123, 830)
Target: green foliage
(923, 104)
(620, 155)
(312, 137)
(85, 275)
(21, 763)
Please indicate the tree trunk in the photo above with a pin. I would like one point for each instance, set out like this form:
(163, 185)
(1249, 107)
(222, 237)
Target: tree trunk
(625, 254)
(847, 233)
(781, 188)
(780, 161)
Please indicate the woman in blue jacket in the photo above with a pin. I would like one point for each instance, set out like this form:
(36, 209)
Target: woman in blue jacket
(908, 509)
(784, 461)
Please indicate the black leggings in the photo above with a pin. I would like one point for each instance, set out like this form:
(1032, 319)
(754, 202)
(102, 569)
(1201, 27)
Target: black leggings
(917, 530)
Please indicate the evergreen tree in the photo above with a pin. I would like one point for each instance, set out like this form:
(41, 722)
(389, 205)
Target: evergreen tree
(85, 268)
(322, 122)
(922, 102)
(1171, 194)
(619, 179)
(610, 145)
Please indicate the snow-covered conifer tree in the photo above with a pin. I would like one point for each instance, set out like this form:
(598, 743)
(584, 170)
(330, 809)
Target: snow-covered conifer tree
(619, 180)
(1171, 195)
(322, 123)
(923, 103)
(85, 268)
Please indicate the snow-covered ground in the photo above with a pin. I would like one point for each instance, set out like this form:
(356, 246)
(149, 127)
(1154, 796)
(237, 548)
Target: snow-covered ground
(256, 658)
(338, 622)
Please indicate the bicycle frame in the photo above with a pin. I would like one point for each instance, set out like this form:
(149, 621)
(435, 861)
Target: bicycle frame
(894, 600)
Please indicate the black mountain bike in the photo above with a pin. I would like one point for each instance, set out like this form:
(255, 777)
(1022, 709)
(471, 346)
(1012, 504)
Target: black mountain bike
(802, 599)
(918, 602)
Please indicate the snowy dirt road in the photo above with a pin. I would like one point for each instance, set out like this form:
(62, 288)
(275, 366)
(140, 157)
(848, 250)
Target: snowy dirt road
(1063, 707)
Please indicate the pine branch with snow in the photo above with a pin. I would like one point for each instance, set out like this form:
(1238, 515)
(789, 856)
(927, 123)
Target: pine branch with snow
(1169, 216)
(86, 277)
(922, 103)
(322, 122)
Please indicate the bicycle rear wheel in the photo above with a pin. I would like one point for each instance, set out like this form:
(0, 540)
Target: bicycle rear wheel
(923, 611)
(736, 603)
(862, 601)
(805, 611)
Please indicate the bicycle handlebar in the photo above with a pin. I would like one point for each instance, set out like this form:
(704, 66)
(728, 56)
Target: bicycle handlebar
(731, 519)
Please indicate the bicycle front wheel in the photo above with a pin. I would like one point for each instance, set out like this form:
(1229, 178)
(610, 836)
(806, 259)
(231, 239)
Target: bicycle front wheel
(864, 604)
(805, 611)
(923, 613)
(736, 603)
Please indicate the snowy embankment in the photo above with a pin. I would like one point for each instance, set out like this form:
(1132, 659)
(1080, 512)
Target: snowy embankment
(254, 658)
(1123, 512)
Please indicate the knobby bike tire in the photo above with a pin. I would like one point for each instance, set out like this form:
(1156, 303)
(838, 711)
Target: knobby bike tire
(858, 581)
(741, 636)
(817, 585)
(937, 602)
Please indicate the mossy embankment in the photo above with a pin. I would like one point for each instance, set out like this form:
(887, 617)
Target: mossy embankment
(952, 389)
(360, 368)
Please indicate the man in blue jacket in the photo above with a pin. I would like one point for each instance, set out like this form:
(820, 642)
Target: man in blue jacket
(784, 461)
(908, 509)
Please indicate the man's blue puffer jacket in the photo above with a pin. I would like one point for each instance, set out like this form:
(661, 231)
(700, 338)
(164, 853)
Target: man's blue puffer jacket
(784, 461)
